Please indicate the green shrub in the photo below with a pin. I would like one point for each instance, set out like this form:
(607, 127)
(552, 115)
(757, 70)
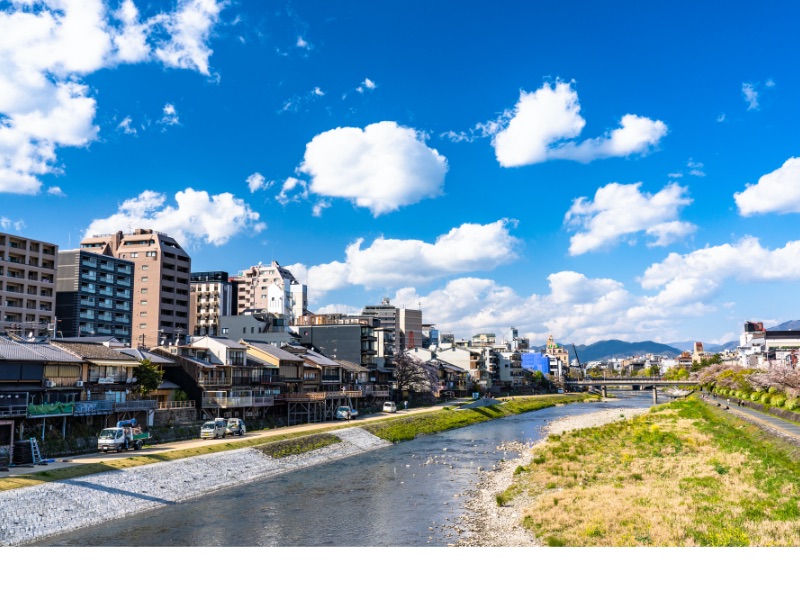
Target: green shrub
(778, 401)
(755, 396)
(773, 390)
(791, 404)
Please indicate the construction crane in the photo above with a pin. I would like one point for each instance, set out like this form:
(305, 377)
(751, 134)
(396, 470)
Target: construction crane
(580, 366)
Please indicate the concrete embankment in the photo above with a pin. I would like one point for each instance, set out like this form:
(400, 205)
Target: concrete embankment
(34, 513)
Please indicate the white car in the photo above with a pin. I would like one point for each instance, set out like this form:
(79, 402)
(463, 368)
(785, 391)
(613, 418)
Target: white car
(213, 429)
(389, 407)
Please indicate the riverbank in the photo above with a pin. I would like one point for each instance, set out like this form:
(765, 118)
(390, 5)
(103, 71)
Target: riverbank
(35, 513)
(486, 523)
(683, 474)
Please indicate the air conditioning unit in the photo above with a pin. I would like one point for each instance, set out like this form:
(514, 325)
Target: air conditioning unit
(78, 384)
(49, 383)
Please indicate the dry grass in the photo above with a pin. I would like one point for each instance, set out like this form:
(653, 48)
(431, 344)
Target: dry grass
(682, 475)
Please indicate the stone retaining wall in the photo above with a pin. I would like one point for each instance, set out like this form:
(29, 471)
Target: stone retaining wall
(36, 512)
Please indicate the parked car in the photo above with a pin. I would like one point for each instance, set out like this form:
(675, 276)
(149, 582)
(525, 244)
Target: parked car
(389, 407)
(213, 429)
(236, 427)
(346, 413)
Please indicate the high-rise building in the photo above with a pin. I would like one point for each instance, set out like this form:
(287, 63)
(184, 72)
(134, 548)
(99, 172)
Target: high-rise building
(273, 288)
(211, 297)
(27, 285)
(409, 325)
(93, 295)
(160, 283)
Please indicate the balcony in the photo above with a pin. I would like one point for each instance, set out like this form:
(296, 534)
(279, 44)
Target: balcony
(175, 404)
(224, 399)
(94, 407)
(51, 409)
(132, 405)
(14, 404)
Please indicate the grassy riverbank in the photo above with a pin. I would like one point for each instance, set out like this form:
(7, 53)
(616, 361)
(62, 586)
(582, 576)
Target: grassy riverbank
(407, 428)
(685, 474)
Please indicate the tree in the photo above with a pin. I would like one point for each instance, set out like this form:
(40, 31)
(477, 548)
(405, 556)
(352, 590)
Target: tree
(148, 377)
(413, 375)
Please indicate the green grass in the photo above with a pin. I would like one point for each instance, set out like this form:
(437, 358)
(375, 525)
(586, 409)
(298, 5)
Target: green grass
(301, 445)
(686, 473)
(407, 428)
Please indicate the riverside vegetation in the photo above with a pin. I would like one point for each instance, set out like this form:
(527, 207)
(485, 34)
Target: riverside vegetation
(684, 474)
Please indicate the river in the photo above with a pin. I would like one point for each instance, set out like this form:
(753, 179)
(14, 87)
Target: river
(409, 494)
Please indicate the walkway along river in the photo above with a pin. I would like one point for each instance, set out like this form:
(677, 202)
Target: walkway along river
(408, 494)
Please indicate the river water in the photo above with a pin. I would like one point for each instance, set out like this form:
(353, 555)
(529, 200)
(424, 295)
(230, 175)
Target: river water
(409, 494)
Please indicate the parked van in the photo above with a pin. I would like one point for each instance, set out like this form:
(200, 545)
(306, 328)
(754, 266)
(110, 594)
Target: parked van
(236, 427)
(213, 429)
(389, 407)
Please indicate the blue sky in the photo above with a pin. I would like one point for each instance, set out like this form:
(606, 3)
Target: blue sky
(616, 171)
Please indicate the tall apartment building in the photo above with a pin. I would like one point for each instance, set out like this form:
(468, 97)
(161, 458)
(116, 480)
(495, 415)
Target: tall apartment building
(409, 326)
(385, 318)
(273, 288)
(93, 295)
(210, 297)
(160, 283)
(27, 285)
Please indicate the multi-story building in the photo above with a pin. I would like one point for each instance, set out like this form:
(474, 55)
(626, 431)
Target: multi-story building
(93, 296)
(27, 285)
(409, 326)
(348, 337)
(210, 298)
(160, 284)
(273, 288)
(257, 324)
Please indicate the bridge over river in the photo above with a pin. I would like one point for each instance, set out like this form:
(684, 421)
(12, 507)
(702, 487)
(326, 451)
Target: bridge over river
(634, 383)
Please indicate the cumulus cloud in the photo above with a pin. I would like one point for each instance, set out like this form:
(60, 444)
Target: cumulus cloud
(542, 122)
(619, 211)
(750, 96)
(47, 47)
(257, 182)
(382, 167)
(698, 275)
(196, 217)
(292, 190)
(125, 126)
(169, 116)
(54, 190)
(392, 262)
(778, 191)
(366, 85)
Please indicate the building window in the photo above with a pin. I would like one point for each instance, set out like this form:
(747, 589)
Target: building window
(134, 255)
(151, 253)
(142, 325)
(144, 267)
(143, 313)
(143, 302)
(144, 290)
(145, 278)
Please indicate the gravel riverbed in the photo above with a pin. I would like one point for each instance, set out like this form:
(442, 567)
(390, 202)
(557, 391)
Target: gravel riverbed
(485, 524)
(37, 512)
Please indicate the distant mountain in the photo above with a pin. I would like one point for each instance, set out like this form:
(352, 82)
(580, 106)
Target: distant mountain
(618, 349)
(787, 326)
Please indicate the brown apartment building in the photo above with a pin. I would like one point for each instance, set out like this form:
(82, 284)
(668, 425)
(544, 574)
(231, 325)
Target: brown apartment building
(160, 283)
(27, 285)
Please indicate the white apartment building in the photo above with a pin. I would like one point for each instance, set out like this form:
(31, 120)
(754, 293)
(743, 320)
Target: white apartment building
(273, 288)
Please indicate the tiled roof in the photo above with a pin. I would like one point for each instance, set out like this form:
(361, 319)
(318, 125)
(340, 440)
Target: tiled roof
(94, 352)
(321, 359)
(34, 351)
(140, 355)
(351, 366)
(274, 351)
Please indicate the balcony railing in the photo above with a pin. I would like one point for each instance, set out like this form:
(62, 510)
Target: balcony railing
(323, 395)
(94, 407)
(131, 405)
(175, 404)
(223, 400)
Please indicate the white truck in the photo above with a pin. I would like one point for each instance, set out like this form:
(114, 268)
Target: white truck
(126, 435)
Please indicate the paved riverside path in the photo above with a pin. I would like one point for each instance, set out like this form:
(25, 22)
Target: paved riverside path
(786, 428)
(36, 512)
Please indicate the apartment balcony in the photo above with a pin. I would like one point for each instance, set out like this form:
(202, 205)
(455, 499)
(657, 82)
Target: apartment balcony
(225, 399)
(13, 404)
(131, 405)
(94, 407)
(265, 398)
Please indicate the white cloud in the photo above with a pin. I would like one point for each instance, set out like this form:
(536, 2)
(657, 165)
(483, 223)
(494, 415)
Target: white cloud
(7, 224)
(695, 168)
(366, 85)
(778, 191)
(538, 127)
(125, 126)
(721, 118)
(194, 218)
(55, 191)
(169, 116)
(698, 275)
(257, 182)
(319, 207)
(301, 43)
(619, 211)
(392, 262)
(293, 190)
(770, 83)
(750, 96)
(382, 168)
(47, 47)
(301, 101)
